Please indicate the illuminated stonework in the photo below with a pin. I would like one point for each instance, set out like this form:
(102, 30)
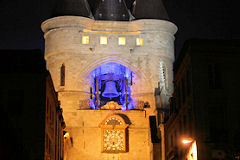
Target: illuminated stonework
(105, 78)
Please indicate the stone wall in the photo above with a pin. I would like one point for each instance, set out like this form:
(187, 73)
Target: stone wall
(86, 135)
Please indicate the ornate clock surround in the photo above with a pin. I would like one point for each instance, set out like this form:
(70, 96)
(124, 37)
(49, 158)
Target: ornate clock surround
(114, 134)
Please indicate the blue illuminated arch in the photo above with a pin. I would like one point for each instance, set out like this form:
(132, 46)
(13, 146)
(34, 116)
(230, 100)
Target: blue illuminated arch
(114, 78)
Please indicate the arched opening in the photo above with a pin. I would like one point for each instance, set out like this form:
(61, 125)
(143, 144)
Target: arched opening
(111, 82)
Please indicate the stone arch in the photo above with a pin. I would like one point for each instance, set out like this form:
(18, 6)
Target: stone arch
(123, 122)
(89, 68)
(98, 62)
(83, 75)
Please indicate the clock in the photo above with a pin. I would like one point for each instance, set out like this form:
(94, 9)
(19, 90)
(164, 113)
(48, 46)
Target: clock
(113, 134)
(113, 140)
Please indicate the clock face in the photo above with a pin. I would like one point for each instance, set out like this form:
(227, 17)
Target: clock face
(113, 141)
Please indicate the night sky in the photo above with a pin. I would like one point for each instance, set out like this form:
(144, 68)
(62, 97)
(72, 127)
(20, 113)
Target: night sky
(212, 19)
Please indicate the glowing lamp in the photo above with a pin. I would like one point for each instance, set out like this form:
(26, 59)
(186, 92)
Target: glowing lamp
(66, 135)
(103, 40)
(85, 39)
(187, 140)
(121, 41)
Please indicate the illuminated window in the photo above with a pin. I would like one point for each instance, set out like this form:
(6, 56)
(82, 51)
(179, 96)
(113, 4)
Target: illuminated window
(139, 41)
(103, 40)
(85, 39)
(121, 41)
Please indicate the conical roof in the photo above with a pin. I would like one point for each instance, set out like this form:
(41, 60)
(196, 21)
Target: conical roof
(72, 7)
(113, 10)
(149, 9)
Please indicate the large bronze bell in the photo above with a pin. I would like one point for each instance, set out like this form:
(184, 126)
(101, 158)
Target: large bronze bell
(110, 90)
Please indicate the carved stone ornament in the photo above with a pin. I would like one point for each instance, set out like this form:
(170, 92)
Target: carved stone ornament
(112, 105)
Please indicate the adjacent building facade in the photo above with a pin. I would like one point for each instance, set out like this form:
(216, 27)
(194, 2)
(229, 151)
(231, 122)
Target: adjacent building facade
(107, 64)
(31, 119)
(205, 107)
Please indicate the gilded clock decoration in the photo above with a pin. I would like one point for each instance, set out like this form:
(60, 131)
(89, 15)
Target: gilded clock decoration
(114, 134)
(113, 140)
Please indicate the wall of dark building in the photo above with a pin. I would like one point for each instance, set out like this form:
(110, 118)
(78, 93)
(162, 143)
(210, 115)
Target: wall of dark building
(25, 84)
(205, 106)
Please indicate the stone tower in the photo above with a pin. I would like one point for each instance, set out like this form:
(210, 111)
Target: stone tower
(110, 66)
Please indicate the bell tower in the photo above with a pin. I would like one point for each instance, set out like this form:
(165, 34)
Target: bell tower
(106, 65)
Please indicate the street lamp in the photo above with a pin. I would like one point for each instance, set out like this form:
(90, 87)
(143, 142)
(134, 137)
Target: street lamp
(66, 135)
(187, 140)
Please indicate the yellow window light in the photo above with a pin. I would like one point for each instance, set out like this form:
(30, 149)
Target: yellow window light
(121, 40)
(103, 40)
(85, 39)
(139, 41)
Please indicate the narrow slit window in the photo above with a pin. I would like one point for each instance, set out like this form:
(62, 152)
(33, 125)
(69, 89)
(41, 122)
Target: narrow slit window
(139, 41)
(164, 74)
(121, 41)
(103, 40)
(62, 76)
(85, 39)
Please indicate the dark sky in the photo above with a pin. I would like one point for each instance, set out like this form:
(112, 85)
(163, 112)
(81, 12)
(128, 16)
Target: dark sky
(212, 19)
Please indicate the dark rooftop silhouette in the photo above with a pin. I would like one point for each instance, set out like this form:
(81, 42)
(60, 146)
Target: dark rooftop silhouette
(114, 10)
(149, 9)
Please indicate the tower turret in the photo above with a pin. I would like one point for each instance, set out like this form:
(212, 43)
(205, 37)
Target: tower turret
(72, 8)
(113, 10)
(149, 9)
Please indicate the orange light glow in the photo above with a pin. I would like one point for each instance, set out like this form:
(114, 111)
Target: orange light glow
(187, 140)
(66, 135)
(192, 153)
(114, 32)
